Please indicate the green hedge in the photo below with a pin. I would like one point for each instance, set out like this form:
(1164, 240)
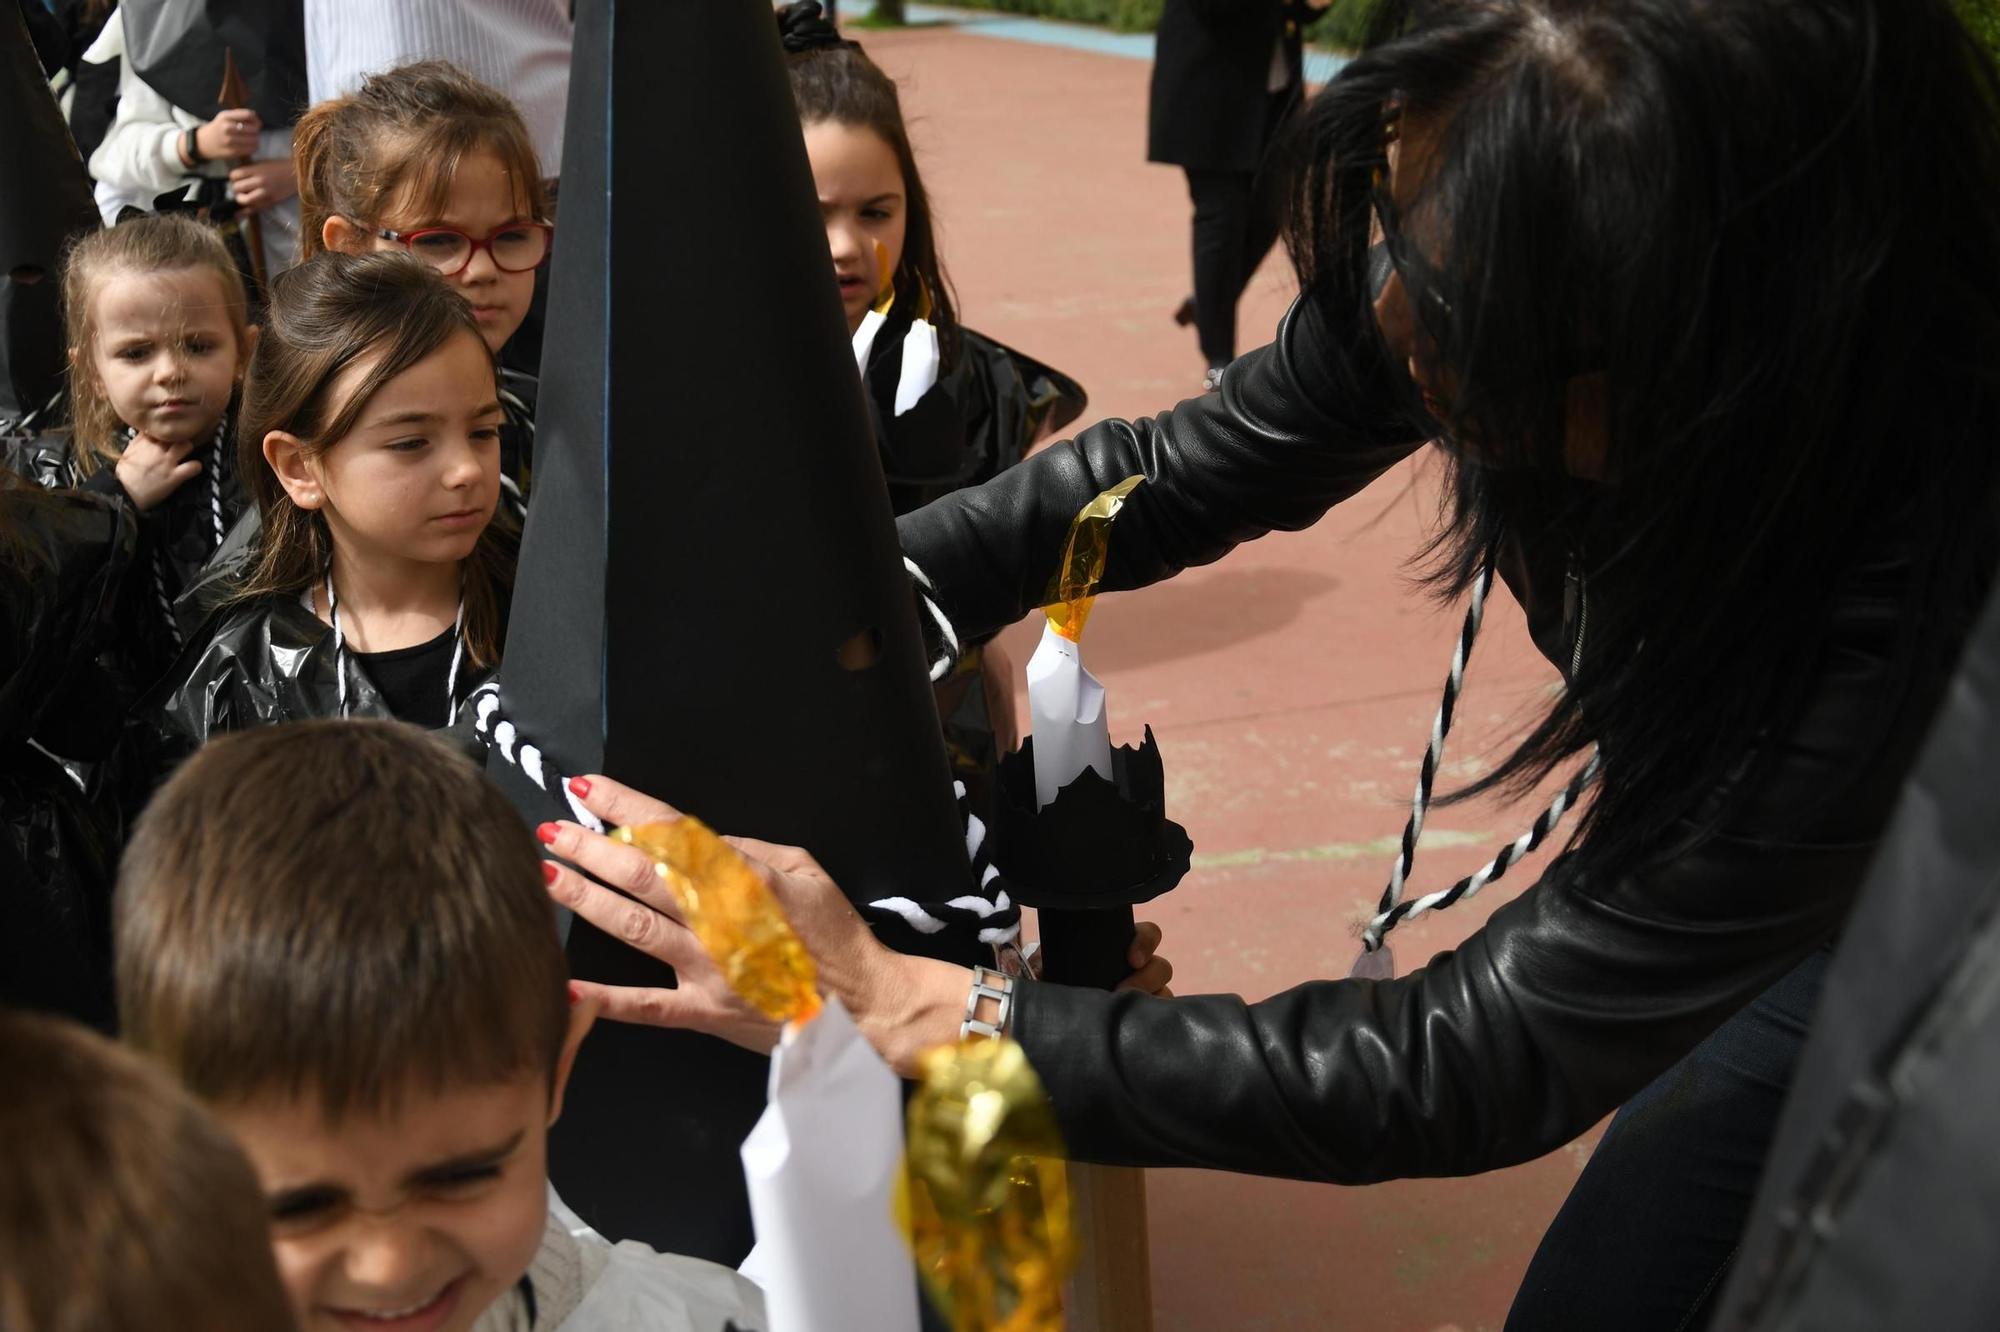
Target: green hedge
(1341, 26)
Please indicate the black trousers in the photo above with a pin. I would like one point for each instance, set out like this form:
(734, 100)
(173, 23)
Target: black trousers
(1644, 1241)
(1235, 222)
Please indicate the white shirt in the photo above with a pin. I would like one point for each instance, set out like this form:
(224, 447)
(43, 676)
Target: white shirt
(585, 1283)
(520, 47)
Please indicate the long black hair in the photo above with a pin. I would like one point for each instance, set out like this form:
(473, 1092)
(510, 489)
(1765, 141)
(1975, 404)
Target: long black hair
(1769, 230)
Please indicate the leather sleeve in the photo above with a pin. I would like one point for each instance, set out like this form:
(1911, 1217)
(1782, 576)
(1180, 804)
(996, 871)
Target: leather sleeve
(1297, 427)
(1572, 998)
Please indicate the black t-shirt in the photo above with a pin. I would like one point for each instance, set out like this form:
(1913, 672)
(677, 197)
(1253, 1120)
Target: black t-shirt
(412, 679)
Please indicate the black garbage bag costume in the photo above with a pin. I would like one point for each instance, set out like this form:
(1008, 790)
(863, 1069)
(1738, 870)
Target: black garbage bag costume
(62, 559)
(711, 606)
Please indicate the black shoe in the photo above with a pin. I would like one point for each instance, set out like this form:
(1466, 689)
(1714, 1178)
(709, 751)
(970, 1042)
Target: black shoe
(1184, 312)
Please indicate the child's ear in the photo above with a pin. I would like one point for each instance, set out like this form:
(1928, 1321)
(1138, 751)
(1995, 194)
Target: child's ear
(582, 1014)
(286, 453)
(251, 335)
(338, 233)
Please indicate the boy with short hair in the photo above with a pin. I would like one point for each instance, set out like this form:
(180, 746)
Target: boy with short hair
(336, 935)
(123, 1205)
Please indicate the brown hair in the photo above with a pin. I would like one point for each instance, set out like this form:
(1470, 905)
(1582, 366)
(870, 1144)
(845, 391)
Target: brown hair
(340, 909)
(325, 315)
(832, 80)
(398, 141)
(123, 1206)
(161, 243)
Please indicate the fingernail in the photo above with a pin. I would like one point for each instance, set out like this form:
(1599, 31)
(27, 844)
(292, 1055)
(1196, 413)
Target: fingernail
(547, 833)
(580, 785)
(574, 994)
(549, 871)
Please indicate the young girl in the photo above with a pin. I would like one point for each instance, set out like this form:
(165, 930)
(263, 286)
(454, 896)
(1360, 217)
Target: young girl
(371, 437)
(955, 421)
(427, 159)
(158, 342)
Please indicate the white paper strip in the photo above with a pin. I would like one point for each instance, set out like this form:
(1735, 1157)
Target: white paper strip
(1066, 710)
(920, 365)
(864, 338)
(821, 1165)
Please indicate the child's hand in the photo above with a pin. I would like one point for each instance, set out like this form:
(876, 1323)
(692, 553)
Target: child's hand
(231, 135)
(259, 185)
(1150, 972)
(150, 470)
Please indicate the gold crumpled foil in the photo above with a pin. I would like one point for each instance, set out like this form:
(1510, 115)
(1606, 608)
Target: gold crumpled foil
(983, 1199)
(732, 911)
(1074, 588)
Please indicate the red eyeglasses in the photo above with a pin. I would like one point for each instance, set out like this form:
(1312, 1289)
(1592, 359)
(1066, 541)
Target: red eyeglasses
(518, 247)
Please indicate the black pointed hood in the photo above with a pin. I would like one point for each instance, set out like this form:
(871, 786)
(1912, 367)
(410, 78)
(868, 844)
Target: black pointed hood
(178, 46)
(44, 200)
(711, 603)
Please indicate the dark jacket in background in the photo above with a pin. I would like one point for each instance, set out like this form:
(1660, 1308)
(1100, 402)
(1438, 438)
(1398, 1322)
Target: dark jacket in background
(1210, 108)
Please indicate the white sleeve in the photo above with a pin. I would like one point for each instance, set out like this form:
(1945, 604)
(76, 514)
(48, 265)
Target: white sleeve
(140, 154)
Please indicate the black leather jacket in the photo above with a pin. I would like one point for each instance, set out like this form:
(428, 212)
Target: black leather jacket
(1575, 995)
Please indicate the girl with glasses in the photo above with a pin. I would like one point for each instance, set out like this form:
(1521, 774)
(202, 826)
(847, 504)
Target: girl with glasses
(427, 159)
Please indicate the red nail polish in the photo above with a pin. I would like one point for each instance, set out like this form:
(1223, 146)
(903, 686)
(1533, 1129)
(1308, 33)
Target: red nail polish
(547, 833)
(549, 871)
(574, 994)
(580, 785)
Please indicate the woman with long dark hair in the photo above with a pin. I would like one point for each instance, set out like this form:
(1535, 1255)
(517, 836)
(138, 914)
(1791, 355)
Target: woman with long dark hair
(1699, 302)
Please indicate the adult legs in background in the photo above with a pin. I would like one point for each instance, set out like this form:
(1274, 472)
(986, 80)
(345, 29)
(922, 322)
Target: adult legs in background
(1645, 1238)
(1222, 229)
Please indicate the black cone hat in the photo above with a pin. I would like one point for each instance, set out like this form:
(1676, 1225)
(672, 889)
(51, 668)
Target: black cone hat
(44, 200)
(711, 604)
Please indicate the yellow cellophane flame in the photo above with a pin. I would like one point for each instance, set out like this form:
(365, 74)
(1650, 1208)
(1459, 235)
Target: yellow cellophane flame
(885, 293)
(983, 1199)
(1074, 588)
(732, 911)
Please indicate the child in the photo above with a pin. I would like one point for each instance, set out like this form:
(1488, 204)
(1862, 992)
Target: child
(988, 404)
(370, 439)
(427, 158)
(336, 935)
(159, 340)
(122, 1204)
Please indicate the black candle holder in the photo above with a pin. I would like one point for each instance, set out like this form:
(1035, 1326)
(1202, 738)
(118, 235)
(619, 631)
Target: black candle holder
(1087, 858)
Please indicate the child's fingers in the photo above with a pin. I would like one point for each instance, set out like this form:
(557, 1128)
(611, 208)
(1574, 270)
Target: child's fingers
(183, 471)
(626, 868)
(618, 804)
(651, 932)
(1145, 942)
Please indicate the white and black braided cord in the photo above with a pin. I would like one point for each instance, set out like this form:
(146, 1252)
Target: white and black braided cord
(500, 737)
(990, 912)
(1406, 856)
(949, 650)
(1511, 854)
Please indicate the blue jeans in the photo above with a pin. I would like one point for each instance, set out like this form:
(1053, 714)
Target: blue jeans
(1644, 1240)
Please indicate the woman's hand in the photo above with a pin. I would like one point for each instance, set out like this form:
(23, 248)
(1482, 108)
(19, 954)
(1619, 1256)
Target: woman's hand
(150, 470)
(904, 1005)
(231, 135)
(259, 185)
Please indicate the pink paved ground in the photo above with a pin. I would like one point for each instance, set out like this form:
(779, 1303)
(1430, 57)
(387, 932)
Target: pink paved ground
(1291, 685)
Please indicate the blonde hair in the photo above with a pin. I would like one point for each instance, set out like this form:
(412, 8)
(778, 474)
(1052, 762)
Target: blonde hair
(325, 314)
(163, 243)
(123, 1205)
(400, 139)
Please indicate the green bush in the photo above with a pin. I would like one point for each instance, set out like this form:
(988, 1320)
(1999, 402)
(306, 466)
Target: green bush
(1342, 24)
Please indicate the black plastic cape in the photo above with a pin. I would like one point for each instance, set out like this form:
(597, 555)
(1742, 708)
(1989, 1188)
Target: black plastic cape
(62, 557)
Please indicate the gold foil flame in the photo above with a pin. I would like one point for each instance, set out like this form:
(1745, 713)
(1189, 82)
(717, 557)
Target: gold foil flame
(885, 291)
(983, 1199)
(732, 911)
(1074, 587)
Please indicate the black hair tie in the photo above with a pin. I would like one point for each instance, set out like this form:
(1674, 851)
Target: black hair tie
(802, 27)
